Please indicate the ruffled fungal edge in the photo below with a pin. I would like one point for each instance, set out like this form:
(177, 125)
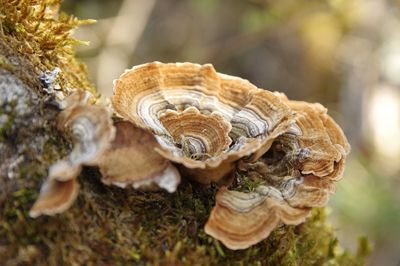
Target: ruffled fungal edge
(289, 186)
(131, 160)
(92, 129)
(205, 80)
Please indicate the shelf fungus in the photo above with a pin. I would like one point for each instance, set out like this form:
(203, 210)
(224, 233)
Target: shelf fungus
(132, 160)
(297, 173)
(241, 220)
(58, 192)
(184, 119)
(92, 130)
(204, 121)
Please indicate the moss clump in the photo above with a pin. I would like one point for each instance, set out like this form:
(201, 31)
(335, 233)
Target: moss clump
(109, 225)
(5, 64)
(33, 30)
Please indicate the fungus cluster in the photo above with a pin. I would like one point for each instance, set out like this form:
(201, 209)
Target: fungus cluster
(92, 130)
(184, 119)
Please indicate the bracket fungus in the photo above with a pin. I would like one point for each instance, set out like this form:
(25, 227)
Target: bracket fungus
(92, 130)
(132, 160)
(205, 121)
(187, 119)
(241, 219)
(298, 172)
(58, 192)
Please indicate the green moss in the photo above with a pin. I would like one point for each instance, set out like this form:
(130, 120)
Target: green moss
(112, 225)
(32, 29)
(246, 184)
(5, 127)
(5, 64)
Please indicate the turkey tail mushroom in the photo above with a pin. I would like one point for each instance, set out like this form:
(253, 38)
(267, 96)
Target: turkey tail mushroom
(314, 149)
(132, 160)
(58, 192)
(92, 130)
(240, 220)
(238, 118)
(298, 171)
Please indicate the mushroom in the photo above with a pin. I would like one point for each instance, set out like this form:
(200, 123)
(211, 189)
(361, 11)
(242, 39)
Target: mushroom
(209, 125)
(93, 131)
(241, 219)
(131, 160)
(205, 121)
(297, 171)
(58, 192)
(314, 149)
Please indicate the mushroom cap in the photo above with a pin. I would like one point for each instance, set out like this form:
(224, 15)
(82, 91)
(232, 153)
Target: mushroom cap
(314, 149)
(59, 191)
(240, 220)
(298, 170)
(320, 138)
(132, 160)
(202, 119)
(93, 131)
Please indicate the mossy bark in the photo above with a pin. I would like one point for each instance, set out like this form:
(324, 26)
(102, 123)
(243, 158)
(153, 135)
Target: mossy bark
(107, 225)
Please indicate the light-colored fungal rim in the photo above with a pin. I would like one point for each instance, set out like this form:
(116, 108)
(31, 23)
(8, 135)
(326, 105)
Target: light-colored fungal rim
(277, 214)
(65, 172)
(254, 146)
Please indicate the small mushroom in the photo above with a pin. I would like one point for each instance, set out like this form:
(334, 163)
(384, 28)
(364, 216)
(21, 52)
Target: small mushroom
(172, 100)
(132, 160)
(92, 131)
(241, 219)
(58, 192)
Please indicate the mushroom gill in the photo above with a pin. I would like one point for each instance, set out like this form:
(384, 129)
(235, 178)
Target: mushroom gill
(297, 173)
(131, 160)
(175, 100)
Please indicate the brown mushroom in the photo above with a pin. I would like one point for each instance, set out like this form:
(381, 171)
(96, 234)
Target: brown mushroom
(93, 131)
(297, 171)
(58, 192)
(132, 160)
(164, 97)
(314, 149)
(241, 219)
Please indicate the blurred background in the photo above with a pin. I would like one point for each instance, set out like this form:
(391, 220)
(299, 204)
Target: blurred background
(344, 54)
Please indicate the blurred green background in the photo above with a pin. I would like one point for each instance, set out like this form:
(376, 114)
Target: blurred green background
(344, 54)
